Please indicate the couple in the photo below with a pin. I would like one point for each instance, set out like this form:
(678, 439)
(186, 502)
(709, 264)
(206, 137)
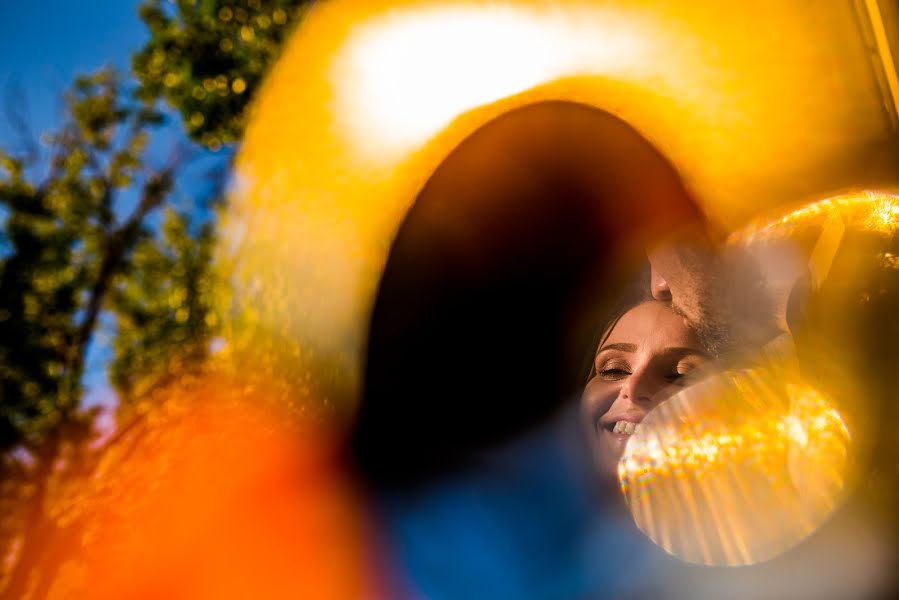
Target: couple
(700, 307)
(488, 302)
(502, 268)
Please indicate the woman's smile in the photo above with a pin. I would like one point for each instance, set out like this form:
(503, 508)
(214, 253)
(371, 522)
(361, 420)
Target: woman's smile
(647, 355)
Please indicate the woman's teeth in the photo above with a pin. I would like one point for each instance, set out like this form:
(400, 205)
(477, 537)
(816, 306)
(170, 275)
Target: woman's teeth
(626, 427)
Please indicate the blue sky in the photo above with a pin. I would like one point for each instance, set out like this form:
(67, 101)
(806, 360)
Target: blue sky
(43, 46)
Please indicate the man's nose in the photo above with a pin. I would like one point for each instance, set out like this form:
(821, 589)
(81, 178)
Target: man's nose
(659, 286)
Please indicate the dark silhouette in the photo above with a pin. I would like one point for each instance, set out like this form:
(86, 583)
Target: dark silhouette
(493, 284)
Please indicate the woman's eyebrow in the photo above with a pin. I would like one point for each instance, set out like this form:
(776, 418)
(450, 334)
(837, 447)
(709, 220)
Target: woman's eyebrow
(624, 347)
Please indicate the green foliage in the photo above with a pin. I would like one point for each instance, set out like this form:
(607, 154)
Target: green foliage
(79, 242)
(97, 237)
(164, 308)
(56, 236)
(208, 57)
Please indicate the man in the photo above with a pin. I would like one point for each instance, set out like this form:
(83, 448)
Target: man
(516, 243)
(719, 289)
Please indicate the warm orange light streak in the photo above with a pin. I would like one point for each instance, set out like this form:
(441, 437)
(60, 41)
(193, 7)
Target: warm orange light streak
(883, 50)
(218, 495)
(869, 210)
(370, 96)
(737, 469)
(405, 76)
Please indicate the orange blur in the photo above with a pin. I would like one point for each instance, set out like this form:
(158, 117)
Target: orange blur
(218, 497)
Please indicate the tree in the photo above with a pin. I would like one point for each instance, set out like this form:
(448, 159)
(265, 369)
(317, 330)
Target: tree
(208, 57)
(79, 242)
(99, 240)
(165, 303)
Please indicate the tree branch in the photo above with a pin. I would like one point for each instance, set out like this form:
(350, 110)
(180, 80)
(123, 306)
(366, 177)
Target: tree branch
(118, 244)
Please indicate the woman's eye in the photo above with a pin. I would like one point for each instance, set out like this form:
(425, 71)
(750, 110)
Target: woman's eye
(613, 373)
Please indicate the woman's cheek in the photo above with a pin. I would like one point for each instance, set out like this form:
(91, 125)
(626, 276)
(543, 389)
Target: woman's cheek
(597, 400)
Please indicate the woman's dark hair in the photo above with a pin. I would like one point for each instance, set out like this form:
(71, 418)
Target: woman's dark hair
(634, 291)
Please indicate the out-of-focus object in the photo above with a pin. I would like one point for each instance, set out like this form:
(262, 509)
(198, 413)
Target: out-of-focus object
(756, 108)
(743, 467)
(217, 495)
(840, 303)
(737, 469)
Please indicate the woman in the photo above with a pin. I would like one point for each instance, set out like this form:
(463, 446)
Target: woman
(645, 356)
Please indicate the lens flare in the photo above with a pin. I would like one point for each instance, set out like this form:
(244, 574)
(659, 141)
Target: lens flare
(874, 211)
(217, 495)
(389, 92)
(368, 98)
(736, 469)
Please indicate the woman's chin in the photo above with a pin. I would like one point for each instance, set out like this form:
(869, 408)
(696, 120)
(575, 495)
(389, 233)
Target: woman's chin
(611, 449)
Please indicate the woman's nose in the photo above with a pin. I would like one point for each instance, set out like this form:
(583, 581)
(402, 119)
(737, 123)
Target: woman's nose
(660, 289)
(639, 389)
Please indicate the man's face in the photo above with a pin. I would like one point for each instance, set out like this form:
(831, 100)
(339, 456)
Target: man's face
(681, 275)
(720, 291)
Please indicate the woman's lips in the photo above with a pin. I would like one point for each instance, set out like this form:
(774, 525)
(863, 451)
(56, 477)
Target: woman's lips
(625, 426)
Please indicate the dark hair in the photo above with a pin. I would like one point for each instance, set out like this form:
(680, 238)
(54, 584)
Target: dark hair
(633, 293)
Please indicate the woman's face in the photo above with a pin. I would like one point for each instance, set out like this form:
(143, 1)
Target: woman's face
(644, 360)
